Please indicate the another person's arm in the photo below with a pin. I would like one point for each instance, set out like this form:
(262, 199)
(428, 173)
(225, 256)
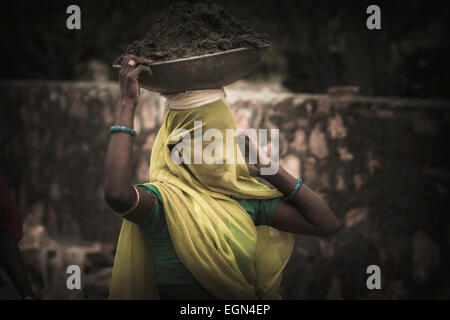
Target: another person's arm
(10, 234)
(117, 187)
(11, 261)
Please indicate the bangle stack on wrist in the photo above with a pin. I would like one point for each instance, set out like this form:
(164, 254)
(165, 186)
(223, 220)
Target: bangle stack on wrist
(114, 129)
(294, 192)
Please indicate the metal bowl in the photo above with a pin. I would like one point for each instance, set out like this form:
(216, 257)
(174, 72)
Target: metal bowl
(208, 71)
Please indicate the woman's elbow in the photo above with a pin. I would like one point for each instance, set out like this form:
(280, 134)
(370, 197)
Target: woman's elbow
(333, 227)
(116, 199)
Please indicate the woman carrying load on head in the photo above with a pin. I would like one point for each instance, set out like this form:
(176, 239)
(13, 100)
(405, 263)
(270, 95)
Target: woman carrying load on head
(201, 230)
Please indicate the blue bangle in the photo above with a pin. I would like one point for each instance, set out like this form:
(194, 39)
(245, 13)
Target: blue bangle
(122, 129)
(297, 187)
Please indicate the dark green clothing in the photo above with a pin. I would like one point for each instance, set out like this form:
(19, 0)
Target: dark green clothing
(168, 268)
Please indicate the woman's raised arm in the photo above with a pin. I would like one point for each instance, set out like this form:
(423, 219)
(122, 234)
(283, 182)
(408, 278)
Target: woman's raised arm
(118, 190)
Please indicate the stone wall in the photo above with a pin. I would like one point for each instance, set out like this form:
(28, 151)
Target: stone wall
(382, 164)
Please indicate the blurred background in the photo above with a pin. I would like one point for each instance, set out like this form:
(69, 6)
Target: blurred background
(363, 118)
(316, 44)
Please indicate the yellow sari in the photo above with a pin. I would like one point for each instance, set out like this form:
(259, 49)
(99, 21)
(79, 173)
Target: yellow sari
(212, 234)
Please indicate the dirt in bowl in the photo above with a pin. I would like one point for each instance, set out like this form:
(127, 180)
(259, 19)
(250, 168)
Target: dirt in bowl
(185, 29)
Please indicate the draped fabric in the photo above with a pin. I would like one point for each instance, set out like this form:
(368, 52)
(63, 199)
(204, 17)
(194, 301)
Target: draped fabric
(193, 98)
(212, 234)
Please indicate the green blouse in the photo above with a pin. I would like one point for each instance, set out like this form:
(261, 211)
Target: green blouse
(168, 268)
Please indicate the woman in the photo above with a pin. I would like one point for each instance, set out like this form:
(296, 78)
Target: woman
(213, 230)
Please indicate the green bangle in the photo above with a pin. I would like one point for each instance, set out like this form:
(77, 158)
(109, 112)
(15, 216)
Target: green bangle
(293, 193)
(122, 129)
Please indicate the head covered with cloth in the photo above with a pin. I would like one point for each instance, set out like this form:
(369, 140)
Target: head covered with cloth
(212, 233)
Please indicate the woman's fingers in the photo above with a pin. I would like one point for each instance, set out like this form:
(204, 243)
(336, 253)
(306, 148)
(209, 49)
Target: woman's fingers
(140, 60)
(132, 66)
(126, 67)
(134, 74)
(252, 146)
(134, 60)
